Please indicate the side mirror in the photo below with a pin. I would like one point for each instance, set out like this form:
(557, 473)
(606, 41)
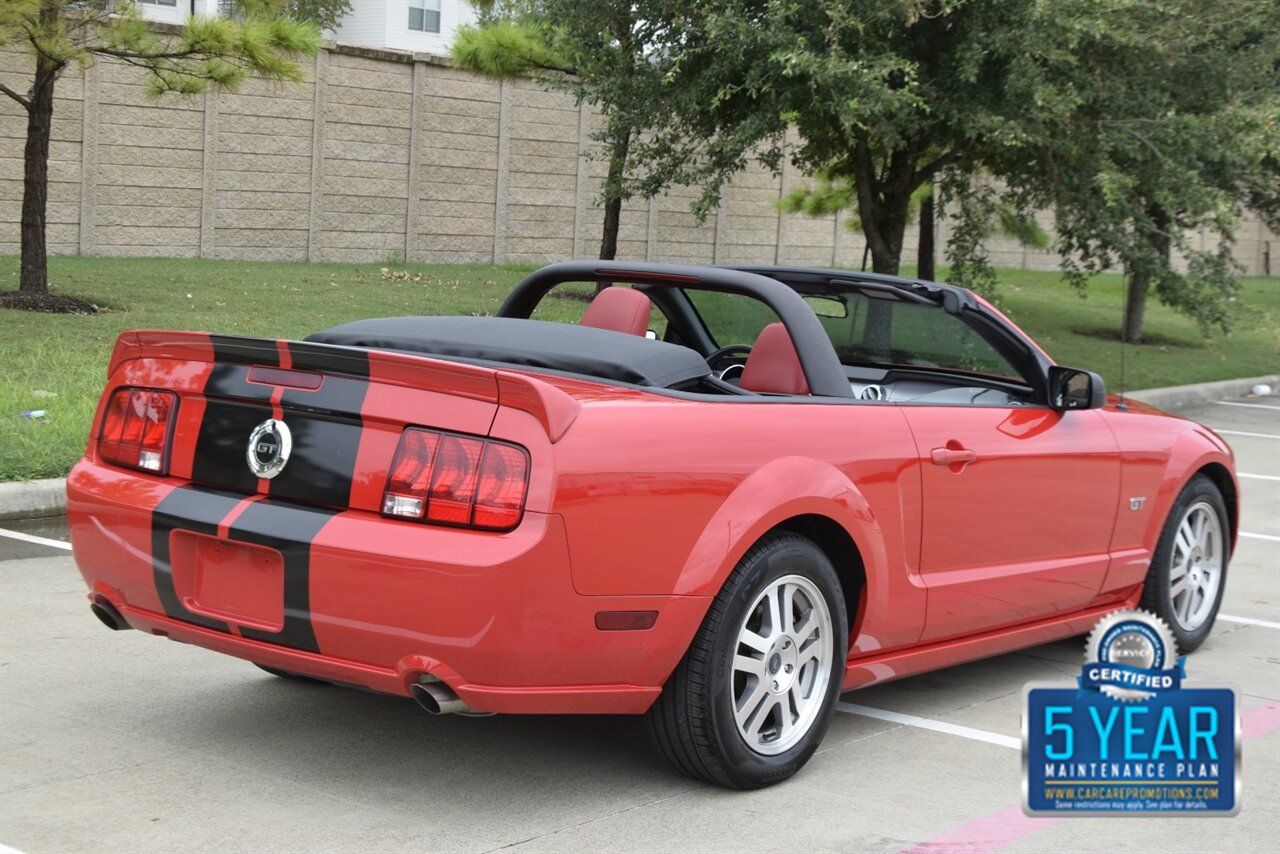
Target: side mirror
(1074, 389)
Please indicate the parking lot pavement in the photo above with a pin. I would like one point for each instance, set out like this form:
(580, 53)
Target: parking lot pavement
(114, 741)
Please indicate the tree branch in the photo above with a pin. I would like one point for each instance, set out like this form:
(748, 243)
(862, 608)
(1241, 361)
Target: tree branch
(130, 55)
(26, 104)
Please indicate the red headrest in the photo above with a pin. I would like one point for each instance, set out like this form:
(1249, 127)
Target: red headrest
(773, 366)
(619, 309)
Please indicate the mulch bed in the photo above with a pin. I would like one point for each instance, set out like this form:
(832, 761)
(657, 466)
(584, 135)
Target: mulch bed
(48, 303)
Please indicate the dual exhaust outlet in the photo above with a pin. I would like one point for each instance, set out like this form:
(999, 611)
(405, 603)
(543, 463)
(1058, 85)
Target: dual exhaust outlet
(434, 697)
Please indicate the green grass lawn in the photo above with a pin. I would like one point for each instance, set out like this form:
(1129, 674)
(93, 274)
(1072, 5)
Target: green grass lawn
(57, 363)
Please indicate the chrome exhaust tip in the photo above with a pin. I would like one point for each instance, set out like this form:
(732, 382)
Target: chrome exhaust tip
(437, 698)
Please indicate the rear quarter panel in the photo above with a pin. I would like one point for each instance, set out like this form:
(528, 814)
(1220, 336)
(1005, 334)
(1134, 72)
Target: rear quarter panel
(662, 495)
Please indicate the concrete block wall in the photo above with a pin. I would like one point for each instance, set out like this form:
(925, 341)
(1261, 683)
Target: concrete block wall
(383, 156)
(256, 201)
(65, 158)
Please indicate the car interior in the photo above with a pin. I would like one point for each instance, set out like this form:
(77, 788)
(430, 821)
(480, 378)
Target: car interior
(894, 344)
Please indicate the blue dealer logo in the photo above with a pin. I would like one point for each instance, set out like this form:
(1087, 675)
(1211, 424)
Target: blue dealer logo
(1128, 738)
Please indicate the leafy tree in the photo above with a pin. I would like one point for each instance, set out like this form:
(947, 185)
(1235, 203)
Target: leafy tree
(1134, 121)
(888, 97)
(827, 197)
(209, 52)
(1169, 122)
(600, 52)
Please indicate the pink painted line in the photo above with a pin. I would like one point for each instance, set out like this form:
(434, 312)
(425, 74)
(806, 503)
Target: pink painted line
(986, 834)
(1259, 721)
(1008, 826)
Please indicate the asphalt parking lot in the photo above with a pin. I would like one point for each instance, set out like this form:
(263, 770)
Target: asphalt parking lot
(122, 742)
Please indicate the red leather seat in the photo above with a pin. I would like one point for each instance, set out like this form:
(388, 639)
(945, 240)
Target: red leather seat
(619, 309)
(773, 366)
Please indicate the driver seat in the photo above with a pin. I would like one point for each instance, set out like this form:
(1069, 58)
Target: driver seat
(619, 310)
(773, 367)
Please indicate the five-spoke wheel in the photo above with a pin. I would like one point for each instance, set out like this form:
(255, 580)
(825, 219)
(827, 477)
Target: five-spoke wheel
(1195, 567)
(781, 664)
(752, 698)
(1184, 585)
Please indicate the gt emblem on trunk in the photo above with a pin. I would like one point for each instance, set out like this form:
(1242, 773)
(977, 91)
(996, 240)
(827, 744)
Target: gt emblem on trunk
(269, 447)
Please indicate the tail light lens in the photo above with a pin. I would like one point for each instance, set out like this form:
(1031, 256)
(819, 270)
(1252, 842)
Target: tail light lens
(457, 480)
(136, 427)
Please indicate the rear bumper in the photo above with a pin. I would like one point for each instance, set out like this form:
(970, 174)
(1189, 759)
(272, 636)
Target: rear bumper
(370, 601)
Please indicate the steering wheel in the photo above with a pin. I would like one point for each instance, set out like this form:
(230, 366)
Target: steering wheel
(726, 353)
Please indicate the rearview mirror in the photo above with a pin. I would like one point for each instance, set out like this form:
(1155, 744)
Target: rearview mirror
(1070, 388)
(827, 306)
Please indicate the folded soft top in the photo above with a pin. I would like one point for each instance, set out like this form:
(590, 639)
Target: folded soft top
(527, 343)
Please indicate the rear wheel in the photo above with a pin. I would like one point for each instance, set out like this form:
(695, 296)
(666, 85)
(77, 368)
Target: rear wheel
(1186, 579)
(753, 696)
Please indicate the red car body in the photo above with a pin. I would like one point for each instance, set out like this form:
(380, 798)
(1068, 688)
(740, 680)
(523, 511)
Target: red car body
(958, 532)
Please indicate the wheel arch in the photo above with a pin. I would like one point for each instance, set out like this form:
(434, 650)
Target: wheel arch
(835, 542)
(1221, 477)
(831, 509)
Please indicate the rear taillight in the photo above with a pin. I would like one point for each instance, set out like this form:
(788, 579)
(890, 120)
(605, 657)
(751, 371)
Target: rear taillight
(457, 480)
(135, 428)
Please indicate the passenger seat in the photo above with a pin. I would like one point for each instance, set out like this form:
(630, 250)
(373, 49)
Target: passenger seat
(773, 367)
(619, 310)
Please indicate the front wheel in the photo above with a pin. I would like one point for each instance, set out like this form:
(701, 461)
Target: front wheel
(1188, 572)
(753, 696)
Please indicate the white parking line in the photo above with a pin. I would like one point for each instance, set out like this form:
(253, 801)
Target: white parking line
(39, 541)
(1258, 476)
(1250, 405)
(1242, 433)
(1269, 537)
(1249, 621)
(936, 726)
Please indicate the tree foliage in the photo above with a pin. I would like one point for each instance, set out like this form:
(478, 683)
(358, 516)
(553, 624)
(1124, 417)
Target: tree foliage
(601, 53)
(1133, 121)
(886, 97)
(326, 14)
(217, 53)
(1168, 123)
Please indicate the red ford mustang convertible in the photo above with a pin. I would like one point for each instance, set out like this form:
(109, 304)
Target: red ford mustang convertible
(724, 497)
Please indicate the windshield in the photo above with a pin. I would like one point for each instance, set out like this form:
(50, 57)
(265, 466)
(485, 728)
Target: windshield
(865, 330)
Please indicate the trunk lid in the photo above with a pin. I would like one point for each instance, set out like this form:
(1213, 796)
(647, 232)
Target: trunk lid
(343, 410)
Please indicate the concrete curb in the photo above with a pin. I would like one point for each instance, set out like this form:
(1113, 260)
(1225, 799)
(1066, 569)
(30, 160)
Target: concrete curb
(34, 498)
(1189, 395)
(30, 499)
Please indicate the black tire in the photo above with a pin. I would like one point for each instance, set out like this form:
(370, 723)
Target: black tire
(1156, 598)
(290, 675)
(692, 722)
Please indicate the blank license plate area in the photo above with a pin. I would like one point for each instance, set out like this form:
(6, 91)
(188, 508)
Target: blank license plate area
(239, 583)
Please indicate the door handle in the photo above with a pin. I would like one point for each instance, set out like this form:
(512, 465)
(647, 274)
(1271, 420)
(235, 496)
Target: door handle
(952, 456)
